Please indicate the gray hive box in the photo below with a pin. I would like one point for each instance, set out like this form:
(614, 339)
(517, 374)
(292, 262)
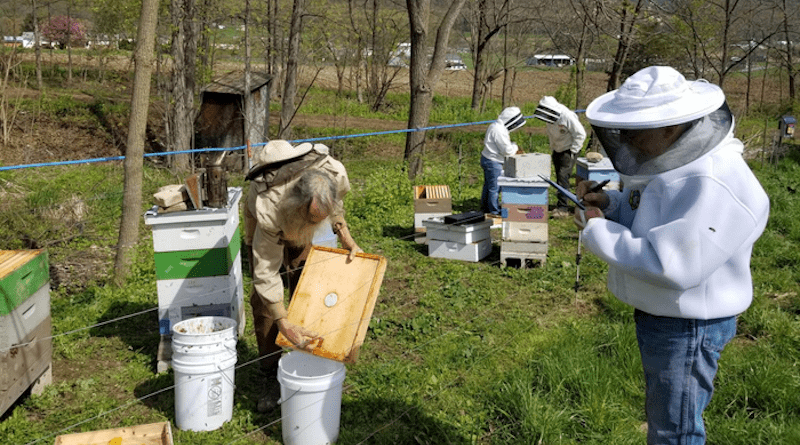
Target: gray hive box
(527, 165)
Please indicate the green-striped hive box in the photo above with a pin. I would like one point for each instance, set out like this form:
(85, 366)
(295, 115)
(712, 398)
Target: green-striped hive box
(198, 262)
(25, 332)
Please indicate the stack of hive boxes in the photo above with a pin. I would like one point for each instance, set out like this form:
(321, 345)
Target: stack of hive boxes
(599, 171)
(198, 267)
(466, 239)
(430, 201)
(524, 197)
(26, 346)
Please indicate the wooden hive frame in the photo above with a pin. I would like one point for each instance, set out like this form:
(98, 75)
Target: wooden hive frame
(335, 299)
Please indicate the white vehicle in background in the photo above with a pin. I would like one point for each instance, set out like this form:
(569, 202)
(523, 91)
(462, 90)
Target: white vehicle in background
(453, 62)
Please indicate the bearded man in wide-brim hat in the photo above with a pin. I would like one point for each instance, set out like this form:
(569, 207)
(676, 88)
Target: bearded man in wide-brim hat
(293, 191)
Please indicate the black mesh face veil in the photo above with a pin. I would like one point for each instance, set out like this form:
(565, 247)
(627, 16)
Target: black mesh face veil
(700, 136)
(515, 122)
(546, 114)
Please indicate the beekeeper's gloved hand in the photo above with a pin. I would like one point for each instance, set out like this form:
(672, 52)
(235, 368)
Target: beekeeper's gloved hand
(592, 198)
(582, 216)
(299, 336)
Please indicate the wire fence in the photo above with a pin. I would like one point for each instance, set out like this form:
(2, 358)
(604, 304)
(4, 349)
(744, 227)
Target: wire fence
(456, 331)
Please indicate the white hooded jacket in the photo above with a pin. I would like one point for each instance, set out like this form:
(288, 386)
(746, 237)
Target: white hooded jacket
(497, 142)
(567, 132)
(678, 242)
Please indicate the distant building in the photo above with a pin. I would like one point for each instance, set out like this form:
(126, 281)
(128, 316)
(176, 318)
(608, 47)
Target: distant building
(557, 60)
(26, 40)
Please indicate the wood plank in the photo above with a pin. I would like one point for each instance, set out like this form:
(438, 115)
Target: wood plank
(149, 434)
(335, 299)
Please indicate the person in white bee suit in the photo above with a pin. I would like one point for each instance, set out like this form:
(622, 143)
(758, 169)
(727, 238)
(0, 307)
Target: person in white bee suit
(566, 136)
(677, 238)
(496, 146)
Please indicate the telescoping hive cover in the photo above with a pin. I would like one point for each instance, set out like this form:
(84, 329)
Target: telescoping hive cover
(335, 299)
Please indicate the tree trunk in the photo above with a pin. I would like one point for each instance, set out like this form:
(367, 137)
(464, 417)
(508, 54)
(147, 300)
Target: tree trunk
(422, 81)
(134, 153)
(246, 102)
(485, 33)
(184, 51)
(290, 82)
(626, 30)
(69, 42)
(36, 47)
(789, 63)
(477, 54)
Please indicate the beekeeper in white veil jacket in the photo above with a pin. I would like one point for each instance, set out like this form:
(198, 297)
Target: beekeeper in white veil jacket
(566, 135)
(496, 146)
(678, 238)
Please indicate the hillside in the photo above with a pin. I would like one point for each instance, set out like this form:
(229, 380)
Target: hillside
(38, 137)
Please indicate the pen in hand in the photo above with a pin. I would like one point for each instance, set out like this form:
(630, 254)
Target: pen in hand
(599, 186)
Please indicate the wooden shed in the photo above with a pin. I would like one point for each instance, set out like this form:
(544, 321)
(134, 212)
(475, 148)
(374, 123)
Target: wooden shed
(220, 122)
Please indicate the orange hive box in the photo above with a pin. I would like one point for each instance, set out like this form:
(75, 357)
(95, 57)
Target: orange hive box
(335, 299)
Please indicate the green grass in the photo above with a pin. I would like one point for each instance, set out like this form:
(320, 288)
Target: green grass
(456, 353)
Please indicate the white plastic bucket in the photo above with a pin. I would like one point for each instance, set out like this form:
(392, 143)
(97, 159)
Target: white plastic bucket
(203, 357)
(311, 398)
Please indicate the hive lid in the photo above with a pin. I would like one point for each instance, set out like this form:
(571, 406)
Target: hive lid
(335, 299)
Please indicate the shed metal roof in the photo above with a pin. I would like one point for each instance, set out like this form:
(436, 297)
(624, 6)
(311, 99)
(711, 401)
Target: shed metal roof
(233, 83)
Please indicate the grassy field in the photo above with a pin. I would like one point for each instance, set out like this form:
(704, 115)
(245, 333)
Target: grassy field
(456, 353)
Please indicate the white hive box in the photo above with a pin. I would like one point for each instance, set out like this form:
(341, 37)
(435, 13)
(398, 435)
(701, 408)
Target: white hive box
(420, 218)
(525, 232)
(198, 266)
(525, 247)
(180, 299)
(527, 165)
(472, 252)
(437, 229)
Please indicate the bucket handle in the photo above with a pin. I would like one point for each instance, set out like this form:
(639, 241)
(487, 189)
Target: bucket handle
(281, 400)
(224, 376)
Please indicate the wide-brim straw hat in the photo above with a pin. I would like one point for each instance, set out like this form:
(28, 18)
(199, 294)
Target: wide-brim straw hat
(654, 97)
(275, 151)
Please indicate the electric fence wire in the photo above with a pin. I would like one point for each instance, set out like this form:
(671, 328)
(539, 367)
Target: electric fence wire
(240, 147)
(127, 316)
(248, 363)
(118, 319)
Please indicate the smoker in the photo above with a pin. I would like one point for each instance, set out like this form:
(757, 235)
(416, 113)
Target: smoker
(786, 126)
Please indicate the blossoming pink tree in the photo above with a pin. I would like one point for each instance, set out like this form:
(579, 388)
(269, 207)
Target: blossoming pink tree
(64, 31)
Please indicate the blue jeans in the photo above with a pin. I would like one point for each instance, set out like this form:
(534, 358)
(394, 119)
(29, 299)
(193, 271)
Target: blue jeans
(679, 357)
(490, 196)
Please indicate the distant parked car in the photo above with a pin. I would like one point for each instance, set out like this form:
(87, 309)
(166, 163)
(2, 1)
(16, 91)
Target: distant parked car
(454, 62)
